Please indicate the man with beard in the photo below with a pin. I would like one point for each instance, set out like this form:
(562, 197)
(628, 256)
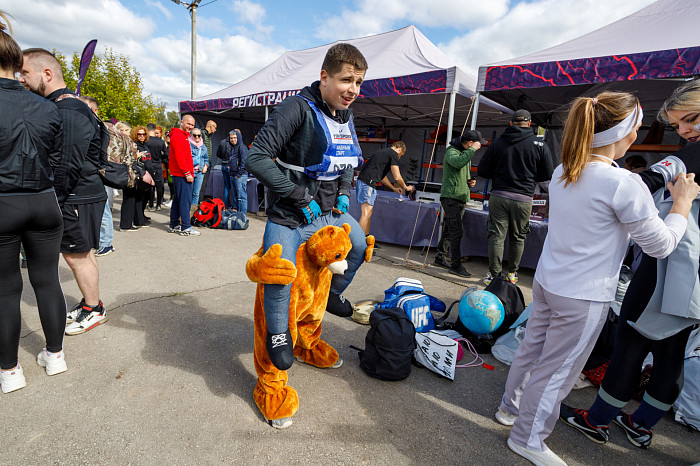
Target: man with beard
(79, 189)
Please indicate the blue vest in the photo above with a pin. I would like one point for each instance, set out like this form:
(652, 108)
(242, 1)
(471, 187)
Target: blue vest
(342, 152)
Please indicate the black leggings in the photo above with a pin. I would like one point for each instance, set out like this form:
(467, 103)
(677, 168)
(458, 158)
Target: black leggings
(35, 221)
(622, 375)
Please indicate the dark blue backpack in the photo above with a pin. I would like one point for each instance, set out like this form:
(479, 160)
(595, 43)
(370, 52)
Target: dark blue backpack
(389, 345)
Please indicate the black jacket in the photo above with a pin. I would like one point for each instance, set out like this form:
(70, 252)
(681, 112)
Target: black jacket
(30, 140)
(156, 146)
(77, 178)
(293, 135)
(516, 161)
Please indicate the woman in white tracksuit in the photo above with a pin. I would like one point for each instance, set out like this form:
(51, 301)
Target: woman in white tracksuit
(595, 207)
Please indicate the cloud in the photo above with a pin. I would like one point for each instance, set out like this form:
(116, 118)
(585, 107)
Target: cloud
(159, 6)
(532, 26)
(372, 17)
(162, 61)
(248, 12)
(68, 25)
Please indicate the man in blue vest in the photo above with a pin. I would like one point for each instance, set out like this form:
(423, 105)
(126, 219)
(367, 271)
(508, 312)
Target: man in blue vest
(305, 155)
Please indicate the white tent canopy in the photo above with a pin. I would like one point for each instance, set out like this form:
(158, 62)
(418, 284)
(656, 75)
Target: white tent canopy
(647, 52)
(405, 85)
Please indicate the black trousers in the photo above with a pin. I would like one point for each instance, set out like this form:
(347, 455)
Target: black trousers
(35, 221)
(205, 182)
(132, 208)
(622, 375)
(451, 230)
(156, 193)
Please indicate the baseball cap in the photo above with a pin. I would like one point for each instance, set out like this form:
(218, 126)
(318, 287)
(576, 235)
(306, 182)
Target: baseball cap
(473, 135)
(520, 115)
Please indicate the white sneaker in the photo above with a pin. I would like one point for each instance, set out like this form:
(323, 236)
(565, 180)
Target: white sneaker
(175, 229)
(55, 363)
(504, 418)
(87, 321)
(12, 380)
(513, 277)
(282, 423)
(488, 279)
(74, 312)
(189, 232)
(538, 458)
(337, 364)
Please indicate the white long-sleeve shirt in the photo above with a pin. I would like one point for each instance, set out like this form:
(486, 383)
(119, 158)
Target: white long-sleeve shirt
(590, 224)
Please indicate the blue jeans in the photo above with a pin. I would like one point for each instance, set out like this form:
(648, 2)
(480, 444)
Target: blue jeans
(196, 187)
(228, 185)
(277, 296)
(107, 226)
(182, 200)
(240, 193)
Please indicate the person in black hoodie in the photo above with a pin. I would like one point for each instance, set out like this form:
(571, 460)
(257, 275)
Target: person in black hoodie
(305, 155)
(30, 151)
(236, 170)
(515, 162)
(77, 182)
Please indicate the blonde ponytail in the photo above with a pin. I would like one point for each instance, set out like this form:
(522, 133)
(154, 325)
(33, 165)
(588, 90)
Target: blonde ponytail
(588, 116)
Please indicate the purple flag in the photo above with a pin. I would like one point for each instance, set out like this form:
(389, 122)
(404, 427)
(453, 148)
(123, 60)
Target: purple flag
(85, 60)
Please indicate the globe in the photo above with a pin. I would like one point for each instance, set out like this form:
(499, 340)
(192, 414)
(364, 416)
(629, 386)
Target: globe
(481, 312)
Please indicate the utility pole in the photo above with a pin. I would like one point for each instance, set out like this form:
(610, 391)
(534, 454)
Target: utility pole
(193, 12)
(192, 8)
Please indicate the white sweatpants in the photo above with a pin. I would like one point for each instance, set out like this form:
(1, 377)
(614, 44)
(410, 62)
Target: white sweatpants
(560, 335)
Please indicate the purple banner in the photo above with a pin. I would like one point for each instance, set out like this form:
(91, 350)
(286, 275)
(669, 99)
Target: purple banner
(647, 65)
(85, 60)
(422, 83)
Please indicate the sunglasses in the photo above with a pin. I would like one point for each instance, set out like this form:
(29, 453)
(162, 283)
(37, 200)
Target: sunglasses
(196, 135)
(140, 134)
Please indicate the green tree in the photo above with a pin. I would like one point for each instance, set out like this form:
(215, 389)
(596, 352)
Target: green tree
(116, 85)
(168, 120)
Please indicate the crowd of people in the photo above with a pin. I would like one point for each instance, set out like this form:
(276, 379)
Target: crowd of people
(54, 202)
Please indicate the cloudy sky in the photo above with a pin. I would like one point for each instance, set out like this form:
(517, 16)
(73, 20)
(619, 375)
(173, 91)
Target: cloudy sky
(236, 38)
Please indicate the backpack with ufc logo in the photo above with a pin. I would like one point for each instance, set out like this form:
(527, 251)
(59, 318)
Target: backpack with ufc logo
(389, 345)
(407, 294)
(209, 213)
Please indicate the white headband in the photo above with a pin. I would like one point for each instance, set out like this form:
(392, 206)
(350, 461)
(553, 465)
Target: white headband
(620, 130)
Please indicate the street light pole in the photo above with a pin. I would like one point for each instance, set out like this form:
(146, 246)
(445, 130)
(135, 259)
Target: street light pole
(192, 7)
(193, 11)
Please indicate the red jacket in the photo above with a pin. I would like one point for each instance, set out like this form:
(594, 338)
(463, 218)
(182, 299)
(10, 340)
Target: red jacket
(180, 163)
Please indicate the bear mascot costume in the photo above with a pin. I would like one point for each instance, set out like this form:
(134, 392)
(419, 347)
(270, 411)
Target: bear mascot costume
(317, 259)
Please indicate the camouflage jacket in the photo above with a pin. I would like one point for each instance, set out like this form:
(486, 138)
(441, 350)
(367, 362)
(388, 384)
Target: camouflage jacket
(121, 150)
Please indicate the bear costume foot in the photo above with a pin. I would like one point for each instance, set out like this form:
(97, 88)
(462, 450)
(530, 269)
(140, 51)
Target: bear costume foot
(321, 355)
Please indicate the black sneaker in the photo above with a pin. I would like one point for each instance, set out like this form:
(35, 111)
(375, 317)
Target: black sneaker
(636, 434)
(461, 271)
(339, 306)
(280, 349)
(441, 262)
(578, 419)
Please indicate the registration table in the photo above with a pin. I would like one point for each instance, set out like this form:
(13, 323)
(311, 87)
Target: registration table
(216, 188)
(393, 219)
(475, 243)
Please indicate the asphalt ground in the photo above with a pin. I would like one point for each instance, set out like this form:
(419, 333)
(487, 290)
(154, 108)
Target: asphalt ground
(169, 378)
